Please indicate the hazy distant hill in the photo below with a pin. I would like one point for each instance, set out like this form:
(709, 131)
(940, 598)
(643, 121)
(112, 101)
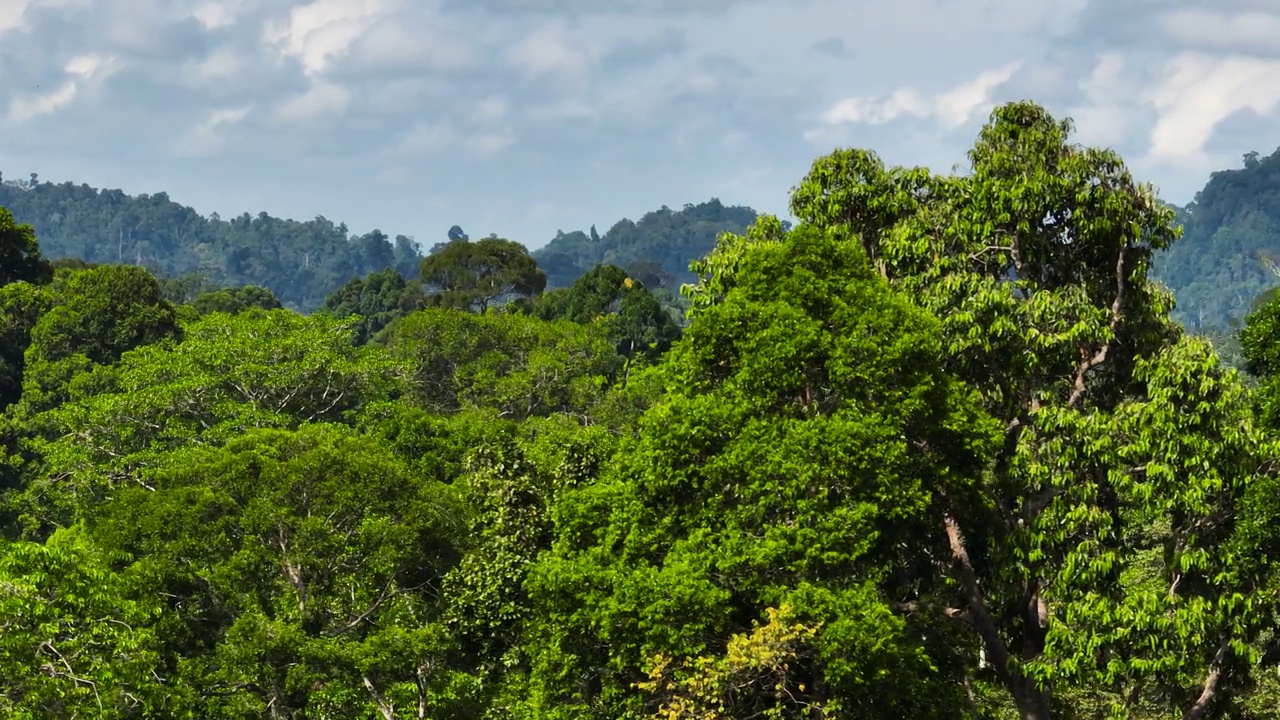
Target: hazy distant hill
(1228, 256)
(300, 262)
(1230, 243)
(659, 247)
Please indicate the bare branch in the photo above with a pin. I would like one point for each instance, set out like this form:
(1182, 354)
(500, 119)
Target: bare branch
(1077, 392)
(1201, 705)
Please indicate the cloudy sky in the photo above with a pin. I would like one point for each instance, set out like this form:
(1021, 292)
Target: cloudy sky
(522, 117)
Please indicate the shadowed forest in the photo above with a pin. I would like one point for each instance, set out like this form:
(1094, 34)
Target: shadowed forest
(996, 444)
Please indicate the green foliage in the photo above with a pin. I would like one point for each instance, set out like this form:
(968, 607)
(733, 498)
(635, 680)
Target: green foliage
(1260, 347)
(800, 456)
(96, 316)
(235, 300)
(635, 320)
(938, 452)
(298, 571)
(376, 299)
(300, 262)
(21, 305)
(516, 365)
(755, 666)
(472, 276)
(512, 484)
(74, 643)
(1036, 264)
(20, 259)
(669, 239)
(1231, 243)
(231, 374)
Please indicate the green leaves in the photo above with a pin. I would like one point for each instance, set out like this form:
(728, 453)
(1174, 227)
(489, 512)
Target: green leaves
(1125, 450)
(295, 566)
(799, 455)
(75, 644)
(517, 365)
(20, 259)
(229, 375)
(472, 276)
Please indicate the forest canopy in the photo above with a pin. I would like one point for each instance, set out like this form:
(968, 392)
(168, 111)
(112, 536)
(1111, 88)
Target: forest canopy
(939, 450)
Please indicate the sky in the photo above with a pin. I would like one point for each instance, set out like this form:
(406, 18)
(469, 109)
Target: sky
(524, 117)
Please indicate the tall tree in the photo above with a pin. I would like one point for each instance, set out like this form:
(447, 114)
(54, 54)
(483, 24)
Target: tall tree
(471, 276)
(1107, 511)
(20, 257)
(377, 299)
(96, 316)
(802, 457)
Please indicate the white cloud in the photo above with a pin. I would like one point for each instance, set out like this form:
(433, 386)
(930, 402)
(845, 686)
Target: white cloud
(84, 69)
(87, 66)
(11, 12)
(432, 138)
(213, 14)
(1199, 92)
(952, 108)
(552, 50)
(1106, 117)
(491, 110)
(413, 42)
(956, 106)
(392, 176)
(490, 144)
(1229, 31)
(22, 109)
(323, 98)
(425, 139)
(318, 31)
(208, 137)
(223, 62)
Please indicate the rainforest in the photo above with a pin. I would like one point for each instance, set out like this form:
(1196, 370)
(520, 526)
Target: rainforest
(1002, 443)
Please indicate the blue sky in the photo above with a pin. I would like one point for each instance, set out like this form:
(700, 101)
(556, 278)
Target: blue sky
(521, 117)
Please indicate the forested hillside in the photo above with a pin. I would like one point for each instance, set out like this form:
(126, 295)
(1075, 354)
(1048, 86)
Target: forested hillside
(1224, 262)
(1230, 246)
(938, 452)
(657, 248)
(302, 262)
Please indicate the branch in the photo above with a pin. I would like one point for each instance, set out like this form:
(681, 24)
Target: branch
(1201, 705)
(913, 606)
(978, 612)
(1077, 392)
(384, 707)
(382, 597)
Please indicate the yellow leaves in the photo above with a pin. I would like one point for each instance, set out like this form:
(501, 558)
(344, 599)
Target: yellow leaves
(754, 671)
(628, 283)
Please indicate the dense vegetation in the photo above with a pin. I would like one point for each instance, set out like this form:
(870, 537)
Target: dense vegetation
(1230, 247)
(938, 451)
(657, 249)
(301, 263)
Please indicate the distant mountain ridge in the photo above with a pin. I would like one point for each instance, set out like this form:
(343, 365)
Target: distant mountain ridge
(1229, 254)
(661, 244)
(302, 262)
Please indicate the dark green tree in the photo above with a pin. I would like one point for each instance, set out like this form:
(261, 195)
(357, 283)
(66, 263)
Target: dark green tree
(21, 305)
(1107, 517)
(472, 276)
(95, 316)
(235, 300)
(513, 364)
(20, 258)
(377, 299)
(801, 457)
